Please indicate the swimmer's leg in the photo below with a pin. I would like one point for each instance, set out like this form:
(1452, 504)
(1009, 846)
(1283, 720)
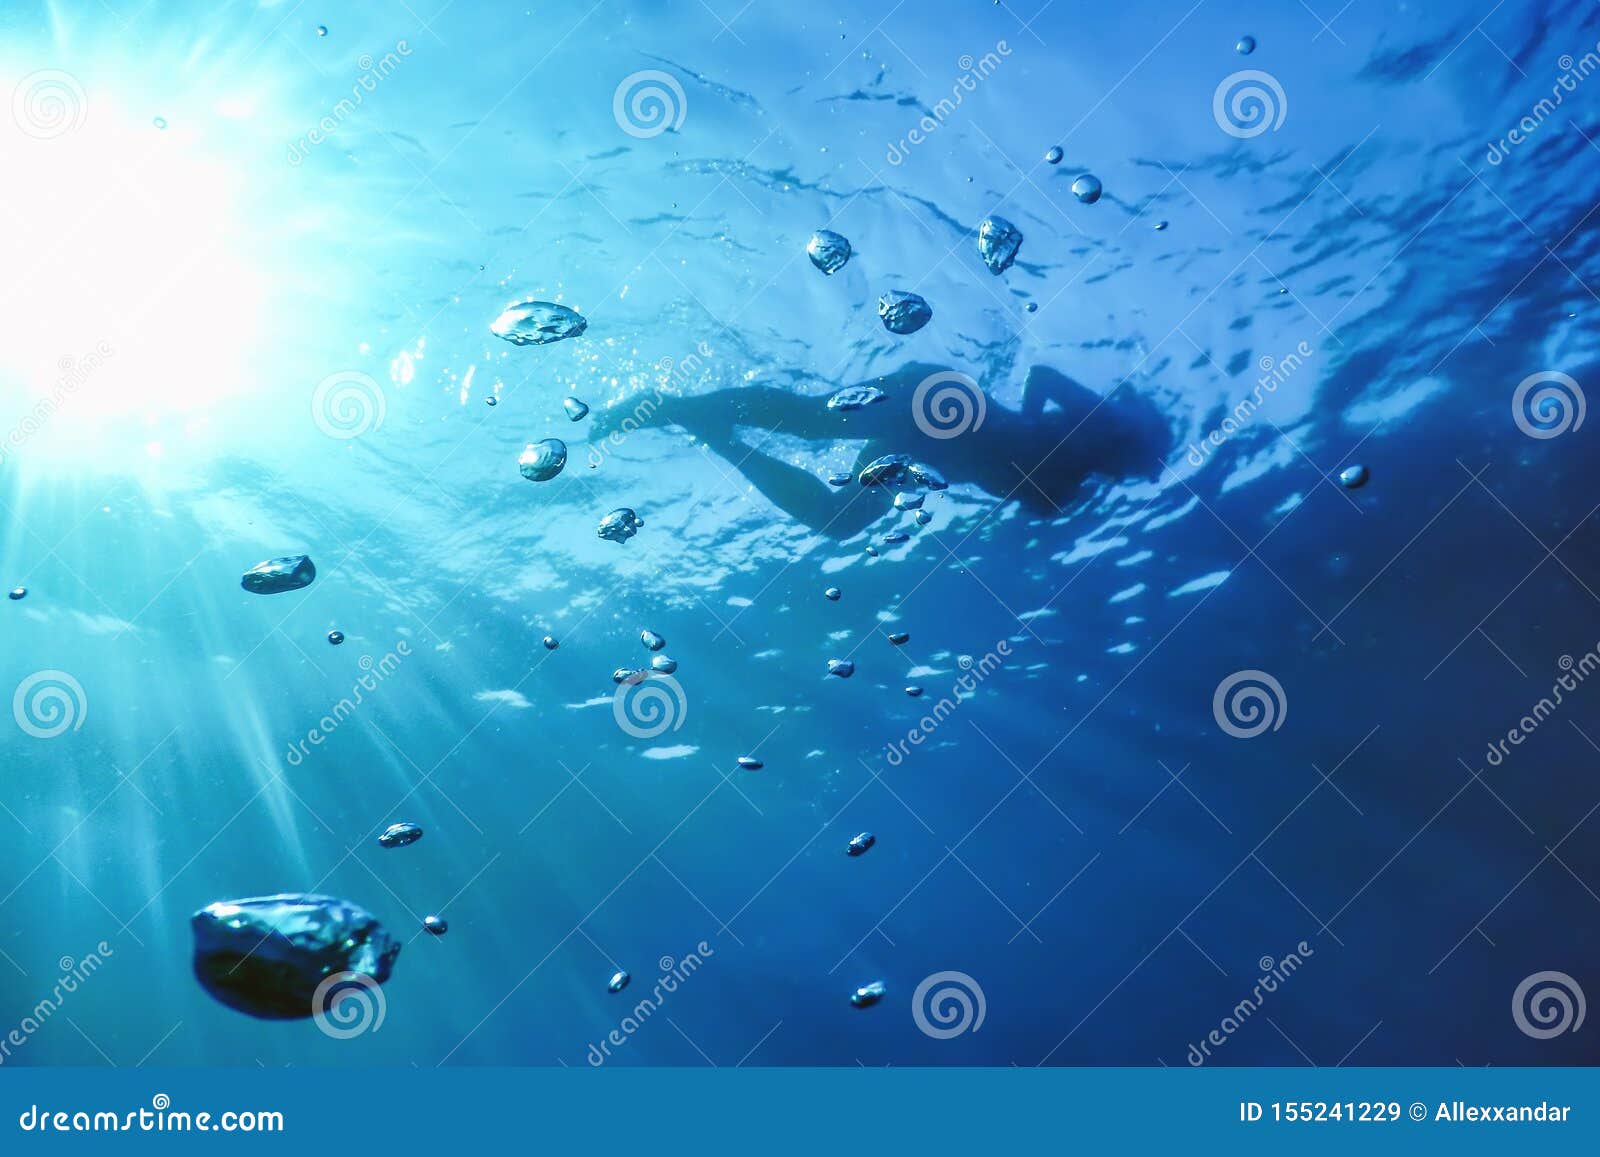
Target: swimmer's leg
(835, 513)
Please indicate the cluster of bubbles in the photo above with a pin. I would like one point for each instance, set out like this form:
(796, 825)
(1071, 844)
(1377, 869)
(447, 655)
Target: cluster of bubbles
(648, 700)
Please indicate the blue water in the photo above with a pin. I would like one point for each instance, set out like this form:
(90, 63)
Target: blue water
(213, 211)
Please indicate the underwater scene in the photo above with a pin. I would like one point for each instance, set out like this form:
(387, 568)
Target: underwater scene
(708, 532)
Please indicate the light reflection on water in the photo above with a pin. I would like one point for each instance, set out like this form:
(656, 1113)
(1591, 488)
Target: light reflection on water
(1034, 839)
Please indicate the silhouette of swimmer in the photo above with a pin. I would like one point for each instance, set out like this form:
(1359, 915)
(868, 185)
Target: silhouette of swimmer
(1040, 455)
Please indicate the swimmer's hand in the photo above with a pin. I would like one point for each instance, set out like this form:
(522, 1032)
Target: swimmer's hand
(604, 423)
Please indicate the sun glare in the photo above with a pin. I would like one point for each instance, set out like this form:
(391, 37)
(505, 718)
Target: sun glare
(131, 298)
